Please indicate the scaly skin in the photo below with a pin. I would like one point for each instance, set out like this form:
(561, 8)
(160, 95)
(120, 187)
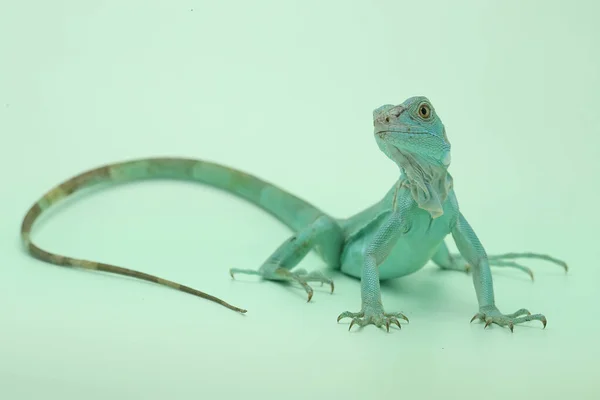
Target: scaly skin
(291, 210)
(395, 237)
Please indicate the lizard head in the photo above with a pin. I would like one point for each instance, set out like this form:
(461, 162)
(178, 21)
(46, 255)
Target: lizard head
(413, 136)
(414, 128)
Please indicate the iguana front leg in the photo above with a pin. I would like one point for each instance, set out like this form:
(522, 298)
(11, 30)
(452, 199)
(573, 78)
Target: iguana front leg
(473, 252)
(376, 251)
(324, 235)
(456, 262)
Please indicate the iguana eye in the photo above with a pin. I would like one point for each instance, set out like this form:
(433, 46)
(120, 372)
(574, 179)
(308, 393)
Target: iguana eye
(424, 111)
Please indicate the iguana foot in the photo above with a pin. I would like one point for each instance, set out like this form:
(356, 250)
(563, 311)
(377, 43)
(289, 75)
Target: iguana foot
(302, 277)
(299, 276)
(491, 315)
(376, 317)
(505, 260)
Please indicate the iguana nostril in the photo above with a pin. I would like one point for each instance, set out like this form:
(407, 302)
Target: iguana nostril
(387, 119)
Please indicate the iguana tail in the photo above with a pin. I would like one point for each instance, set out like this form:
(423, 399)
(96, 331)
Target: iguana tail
(289, 209)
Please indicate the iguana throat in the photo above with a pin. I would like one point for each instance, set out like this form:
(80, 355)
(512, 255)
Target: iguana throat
(429, 182)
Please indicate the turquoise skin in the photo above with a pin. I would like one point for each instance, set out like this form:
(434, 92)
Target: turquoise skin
(411, 252)
(406, 229)
(393, 238)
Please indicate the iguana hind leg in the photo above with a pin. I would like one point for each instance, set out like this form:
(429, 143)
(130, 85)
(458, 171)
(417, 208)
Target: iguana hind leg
(324, 235)
(450, 261)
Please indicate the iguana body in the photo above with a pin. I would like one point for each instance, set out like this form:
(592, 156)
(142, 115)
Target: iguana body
(395, 237)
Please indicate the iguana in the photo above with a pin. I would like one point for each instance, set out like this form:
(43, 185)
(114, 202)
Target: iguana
(394, 237)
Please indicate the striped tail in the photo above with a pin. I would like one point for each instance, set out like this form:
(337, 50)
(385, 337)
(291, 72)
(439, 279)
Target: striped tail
(289, 209)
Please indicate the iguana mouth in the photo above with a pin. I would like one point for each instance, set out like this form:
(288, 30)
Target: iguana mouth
(403, 129)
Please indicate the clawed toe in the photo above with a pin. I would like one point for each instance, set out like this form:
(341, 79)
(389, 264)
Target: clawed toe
(507, 260)
(348, 314)
(299, 276)
(535, 317)
(528, 255)
(392, 320)
(493, 316)
(379, 319)
(397, 315)
(314, 276)
(522, 311)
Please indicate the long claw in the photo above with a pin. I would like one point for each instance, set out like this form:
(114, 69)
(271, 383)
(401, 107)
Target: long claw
(352, 323)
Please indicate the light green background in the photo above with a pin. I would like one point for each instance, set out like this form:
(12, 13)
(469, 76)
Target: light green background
(285, 90)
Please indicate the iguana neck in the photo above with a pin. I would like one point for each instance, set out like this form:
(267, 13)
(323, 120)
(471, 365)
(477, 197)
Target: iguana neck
(428, 181)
